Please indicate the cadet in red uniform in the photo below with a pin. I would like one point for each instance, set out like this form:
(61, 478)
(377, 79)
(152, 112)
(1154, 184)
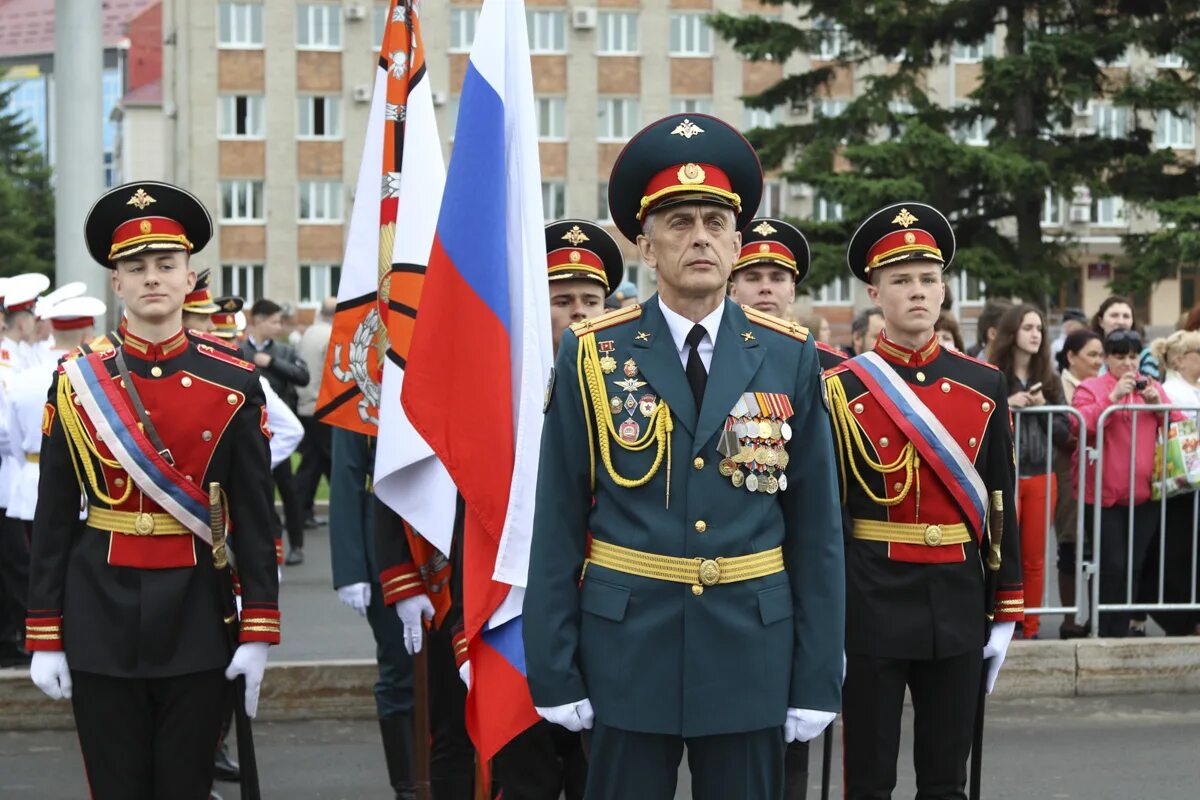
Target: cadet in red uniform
(923, 438)
(126, 613)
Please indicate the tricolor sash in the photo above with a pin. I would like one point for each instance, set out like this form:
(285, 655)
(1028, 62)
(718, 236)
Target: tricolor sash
(108, 410)
(931, 439)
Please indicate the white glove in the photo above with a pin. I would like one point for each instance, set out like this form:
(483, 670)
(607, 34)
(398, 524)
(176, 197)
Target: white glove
(574, 717)
(50, 672)
(356, 596)
(464, 673)
(411, 611)
(995, 649)
(803, 725)
(250, 659)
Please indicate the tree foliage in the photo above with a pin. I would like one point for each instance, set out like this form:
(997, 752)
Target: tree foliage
(26, 197)
(899, 138)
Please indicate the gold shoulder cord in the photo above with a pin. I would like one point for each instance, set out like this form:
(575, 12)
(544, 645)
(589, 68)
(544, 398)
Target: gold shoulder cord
(79, 444)
(591, 388)
(848, 438)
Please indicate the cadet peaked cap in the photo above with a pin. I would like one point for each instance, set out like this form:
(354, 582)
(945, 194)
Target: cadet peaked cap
(44, 304)
(684, 158)
(898, 233)
(770, 242)
(225, 322)
(21, 292)
(580, 250)
(147, 215)
(200, 299)
(73, 313)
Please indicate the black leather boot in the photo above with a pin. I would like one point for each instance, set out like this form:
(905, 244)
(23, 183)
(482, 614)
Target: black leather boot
(397, 735)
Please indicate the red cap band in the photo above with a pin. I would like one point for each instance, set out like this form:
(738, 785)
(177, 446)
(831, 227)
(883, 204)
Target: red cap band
(691, 179)
(148, 230)
(902, 243)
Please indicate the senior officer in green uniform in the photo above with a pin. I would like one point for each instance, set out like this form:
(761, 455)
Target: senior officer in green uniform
(707, 607)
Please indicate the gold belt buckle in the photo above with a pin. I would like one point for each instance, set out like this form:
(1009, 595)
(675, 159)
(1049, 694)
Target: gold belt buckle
(933, 535)
(143, 524)
(710, 572)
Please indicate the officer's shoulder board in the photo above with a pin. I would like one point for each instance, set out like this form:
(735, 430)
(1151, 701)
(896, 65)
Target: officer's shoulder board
(200, 337)
(837, 369)
(223, 356)
(614, 317)
(101, 345)
(971, 359)
(792, 329)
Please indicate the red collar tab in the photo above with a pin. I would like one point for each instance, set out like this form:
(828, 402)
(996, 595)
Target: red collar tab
(899, 245)
(704, 182)
(137, 234)
(905, 357)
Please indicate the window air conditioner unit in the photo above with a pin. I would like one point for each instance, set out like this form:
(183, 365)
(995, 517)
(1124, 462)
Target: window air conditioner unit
(362, 94)
(356, 12)
(583, 19)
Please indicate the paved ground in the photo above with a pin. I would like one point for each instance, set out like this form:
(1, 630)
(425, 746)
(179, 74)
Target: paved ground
(1125, 748)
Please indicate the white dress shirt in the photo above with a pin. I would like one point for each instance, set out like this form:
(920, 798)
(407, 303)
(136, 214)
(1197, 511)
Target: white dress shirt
(681, 326)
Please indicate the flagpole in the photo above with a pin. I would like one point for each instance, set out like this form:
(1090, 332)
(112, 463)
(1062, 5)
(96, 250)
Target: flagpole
(421, 734)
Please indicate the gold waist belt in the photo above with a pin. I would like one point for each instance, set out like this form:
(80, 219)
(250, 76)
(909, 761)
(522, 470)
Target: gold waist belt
(135, 523)
(873, 530)
(33, 458)
(696, 571)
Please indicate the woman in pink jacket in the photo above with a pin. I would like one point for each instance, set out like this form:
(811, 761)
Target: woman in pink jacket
(1122, 384)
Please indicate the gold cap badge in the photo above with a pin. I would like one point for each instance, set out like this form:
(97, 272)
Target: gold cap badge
(574, 257)
(575, 236)
(145, 226)
(140, 199)
(690, 174)
(904, 219)
(687, 129)
(764, 228)
(764, 248)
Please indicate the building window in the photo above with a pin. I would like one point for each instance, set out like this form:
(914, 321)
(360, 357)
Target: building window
(379, 18)
(975, 132)
(772, 203)
(759, 118)
(319, 117)
(320, 201)
(826, 210)
(462, 29)
(1108, 212)
(833, 41)
(618, 33)
(240, 116)
(968, 290)
(554, 200)
(547, 31)
(318, 281)
(603, 215)
(1170, 61)
(829, 108)
(690, 35)
(243, 280)
(974, 53)
(1176, 129)
(618, 118)
(839, 291)
(319, 27)
(240, 25)
(1109, 121)
(1052, 209)
(242, 201)
(691, 105)
(552, 118)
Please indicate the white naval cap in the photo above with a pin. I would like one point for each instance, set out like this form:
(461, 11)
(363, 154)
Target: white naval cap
(21, 291)
(73, 312)
(50, 299)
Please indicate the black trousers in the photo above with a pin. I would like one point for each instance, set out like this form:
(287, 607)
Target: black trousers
(14, 579)
(943, 694)
(1178, 559)
(148, 739)
(315, 459)
(795, 771)
(1115, 557)
(293, 515)
(452, 756)
(625, 764)
(542, 763)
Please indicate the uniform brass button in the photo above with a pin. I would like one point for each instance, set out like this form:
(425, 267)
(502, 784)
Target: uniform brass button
(897, 486)
(921, 376)
(118, 482)
(698, 463)
(189, 477)
(858, 408)
(701, 526)
(946, 387)
(883, 442)
(186, 381)
(972, 441)
(156, 371)
(231, 399)
(987, 407)
(206, 436)
(75, 399)
(933, 535)
(697, 590)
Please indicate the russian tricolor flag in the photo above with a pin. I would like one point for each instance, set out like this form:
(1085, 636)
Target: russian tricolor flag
(480, 358)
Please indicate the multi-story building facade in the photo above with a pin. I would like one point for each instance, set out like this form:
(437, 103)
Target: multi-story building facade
(266, 103)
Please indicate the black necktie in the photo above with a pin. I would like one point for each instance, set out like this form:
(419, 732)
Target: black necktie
(697, 375)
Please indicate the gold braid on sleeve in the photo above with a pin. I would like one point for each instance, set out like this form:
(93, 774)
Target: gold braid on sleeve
(595, 404)
(849, 439)
(80, 444)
